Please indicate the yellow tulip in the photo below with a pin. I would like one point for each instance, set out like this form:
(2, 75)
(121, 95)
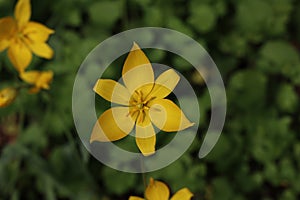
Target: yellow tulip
(157, 190)
(7, 96)
(40, 80)
(142, 104)
(23, 37)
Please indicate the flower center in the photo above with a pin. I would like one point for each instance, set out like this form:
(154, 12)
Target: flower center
(20, 34)
(138, 106)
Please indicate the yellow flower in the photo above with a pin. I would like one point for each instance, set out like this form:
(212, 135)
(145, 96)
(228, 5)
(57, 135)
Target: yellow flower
(40, 80)
(142, 104)
(7, 96)
(157, 190)
(23, 37)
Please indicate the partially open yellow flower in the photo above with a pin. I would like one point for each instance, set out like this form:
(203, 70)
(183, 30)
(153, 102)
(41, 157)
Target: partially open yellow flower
(23, 37)
(143, 104)
(40, 80)
(157, 190)
(7, 96)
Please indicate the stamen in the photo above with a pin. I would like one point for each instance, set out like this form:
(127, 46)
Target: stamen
(150, 91)
(142, 118)
(152, 98)
(141, 94)
(131, 112)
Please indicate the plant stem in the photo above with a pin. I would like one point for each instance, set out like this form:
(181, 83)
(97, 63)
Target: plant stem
(143, 172)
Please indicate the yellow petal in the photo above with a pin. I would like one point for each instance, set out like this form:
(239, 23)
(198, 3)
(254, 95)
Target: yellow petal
(137, 70)
(114, 124)
(37, 32)
(112, 91)
(145, 139)
(30, 77)
(136, 198)
(167, 116)
(164, 84)
(7, 96)
(183, 194)
(23, 12)
(19, 55)
(44, 80)
(41, 80)
(40, 49)
(157, 190)
(4, 43)
(8, 28)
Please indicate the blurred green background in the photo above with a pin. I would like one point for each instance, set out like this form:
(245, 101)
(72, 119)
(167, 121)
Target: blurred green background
(255, 44)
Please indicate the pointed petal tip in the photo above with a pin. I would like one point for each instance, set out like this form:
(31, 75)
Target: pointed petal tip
(151, 180)
(186, 126)
(91, 140)
(95, 86)
(98, 138)
(51, 31)
(191, 124)
(135, 46)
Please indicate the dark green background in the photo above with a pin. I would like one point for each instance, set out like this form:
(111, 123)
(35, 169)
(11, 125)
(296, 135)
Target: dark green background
(255, 44)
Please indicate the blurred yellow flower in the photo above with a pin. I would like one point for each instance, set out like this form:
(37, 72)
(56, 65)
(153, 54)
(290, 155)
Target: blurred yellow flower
(40, 80)
(7, 96)
(23, 37)
(143, 104)
(157, 190)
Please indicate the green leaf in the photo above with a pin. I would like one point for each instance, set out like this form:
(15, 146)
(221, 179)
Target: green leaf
(203, 17)
(253, 25)
(277, 57)
(34, 136)
(280, 57)
(234, 44)
(177, 24)
(287, 99)
(105, 13)
(222, 189)
(247, 90)
(112, 181)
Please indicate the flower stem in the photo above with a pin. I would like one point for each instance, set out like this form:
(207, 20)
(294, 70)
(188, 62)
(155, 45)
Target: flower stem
(143, 172)
(144, 181)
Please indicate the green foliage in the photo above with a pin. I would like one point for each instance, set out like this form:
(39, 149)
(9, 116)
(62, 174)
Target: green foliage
(105, 13)
(202, 17)
(255, 44)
